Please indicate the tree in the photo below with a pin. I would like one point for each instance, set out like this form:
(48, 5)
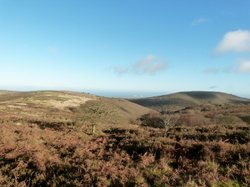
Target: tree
(159, 120)
(169, 121)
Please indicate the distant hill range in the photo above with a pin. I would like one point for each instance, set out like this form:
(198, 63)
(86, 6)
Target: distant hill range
(185, 99)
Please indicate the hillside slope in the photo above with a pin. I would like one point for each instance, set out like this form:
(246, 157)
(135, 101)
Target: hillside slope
(66, 107)
(185, 99)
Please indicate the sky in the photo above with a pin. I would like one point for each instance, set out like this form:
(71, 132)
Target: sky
(125, 46)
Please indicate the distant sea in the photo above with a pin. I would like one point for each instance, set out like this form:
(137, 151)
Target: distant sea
(126, 94)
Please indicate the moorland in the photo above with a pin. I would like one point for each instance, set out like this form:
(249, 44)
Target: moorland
(61, 138)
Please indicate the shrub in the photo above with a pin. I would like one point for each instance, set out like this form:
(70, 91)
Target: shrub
(152, 120)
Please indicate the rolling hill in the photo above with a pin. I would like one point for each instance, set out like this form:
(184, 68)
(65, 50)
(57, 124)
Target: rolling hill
(184, 99)
(64, 107)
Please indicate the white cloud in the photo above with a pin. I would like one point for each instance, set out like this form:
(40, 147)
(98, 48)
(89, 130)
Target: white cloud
(199, 21)
(235, 41)
(244, 66)
(148, 65)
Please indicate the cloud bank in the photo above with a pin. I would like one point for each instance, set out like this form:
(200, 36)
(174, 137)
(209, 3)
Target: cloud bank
(235, 41)
(149, 65)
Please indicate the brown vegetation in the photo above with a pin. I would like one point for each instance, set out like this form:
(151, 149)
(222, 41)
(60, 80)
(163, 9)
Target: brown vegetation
(208, 145)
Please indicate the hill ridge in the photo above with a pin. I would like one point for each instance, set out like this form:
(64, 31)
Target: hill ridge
(184, 99)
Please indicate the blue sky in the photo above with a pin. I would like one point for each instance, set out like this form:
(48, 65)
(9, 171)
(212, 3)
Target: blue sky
(118, 46)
